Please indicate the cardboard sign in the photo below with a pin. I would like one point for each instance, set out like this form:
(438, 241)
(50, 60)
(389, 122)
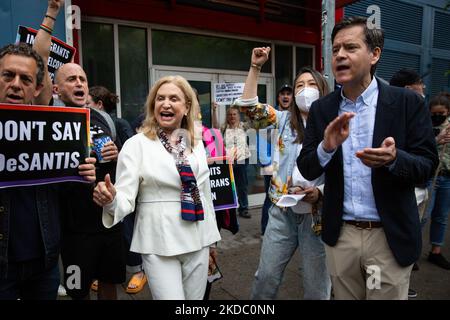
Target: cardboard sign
(226, 93)
(40, 145)
(223, 187)
(60, 52)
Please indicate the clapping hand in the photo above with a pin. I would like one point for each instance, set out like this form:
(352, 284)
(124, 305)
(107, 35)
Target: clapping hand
(377, 157)
(444, 136)
(337, 131)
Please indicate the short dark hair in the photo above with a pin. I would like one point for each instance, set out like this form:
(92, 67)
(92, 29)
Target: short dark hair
(108, 98)
(373, 37)
(25, 50)
(405, 77)
(285, 87)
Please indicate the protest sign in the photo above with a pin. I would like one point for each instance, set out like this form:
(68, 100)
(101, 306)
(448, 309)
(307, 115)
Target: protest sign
(60, 52)
(40, 145)
(226, 93)
(223, 187)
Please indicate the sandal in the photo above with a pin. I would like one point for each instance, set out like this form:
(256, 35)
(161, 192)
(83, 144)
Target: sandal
(137, 282)
(94, 285)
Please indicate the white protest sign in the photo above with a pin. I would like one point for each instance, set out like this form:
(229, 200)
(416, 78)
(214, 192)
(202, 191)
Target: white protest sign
(226, 93)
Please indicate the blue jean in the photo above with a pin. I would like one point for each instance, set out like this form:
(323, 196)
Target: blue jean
(438, 210)
(286, 231)
(266, 205)
(240, 175)
(30, 280)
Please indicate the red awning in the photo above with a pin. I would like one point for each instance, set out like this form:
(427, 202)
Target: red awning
(343, 3)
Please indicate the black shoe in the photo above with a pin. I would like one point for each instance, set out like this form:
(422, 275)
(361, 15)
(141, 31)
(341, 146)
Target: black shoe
(245, 214)
(439, 260)
(412, 293)
(415, 267)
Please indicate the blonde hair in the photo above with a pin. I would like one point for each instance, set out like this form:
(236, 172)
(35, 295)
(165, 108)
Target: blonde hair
(150, 125)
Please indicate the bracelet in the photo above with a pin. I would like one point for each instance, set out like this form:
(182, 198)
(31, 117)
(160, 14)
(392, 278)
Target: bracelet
(50, 17)
(46, 29)
(257, 66)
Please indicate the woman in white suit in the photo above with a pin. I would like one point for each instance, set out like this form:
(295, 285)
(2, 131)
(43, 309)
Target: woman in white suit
(163, 172)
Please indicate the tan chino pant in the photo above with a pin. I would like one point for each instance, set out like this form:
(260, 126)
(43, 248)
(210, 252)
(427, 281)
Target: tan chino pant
(362, 266)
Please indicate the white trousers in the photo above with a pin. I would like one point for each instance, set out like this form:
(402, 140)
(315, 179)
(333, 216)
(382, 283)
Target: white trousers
(181, 277)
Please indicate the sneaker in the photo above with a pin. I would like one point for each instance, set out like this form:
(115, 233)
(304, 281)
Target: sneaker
(439, 260)
(61, 291)
(412, 293)
(415, 267)
(245, 214)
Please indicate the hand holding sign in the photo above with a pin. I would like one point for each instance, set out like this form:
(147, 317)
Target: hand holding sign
(87, 170)
(104, 192)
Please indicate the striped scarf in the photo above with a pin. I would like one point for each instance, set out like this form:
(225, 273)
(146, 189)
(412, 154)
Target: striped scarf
(191, 204)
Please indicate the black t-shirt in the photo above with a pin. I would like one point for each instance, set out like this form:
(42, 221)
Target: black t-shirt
(25, 239)
(80, 213)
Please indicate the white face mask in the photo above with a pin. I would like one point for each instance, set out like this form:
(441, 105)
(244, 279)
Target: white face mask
(306, 97)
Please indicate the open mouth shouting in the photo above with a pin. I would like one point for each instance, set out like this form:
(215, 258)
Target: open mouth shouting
(342, 68)
(14, 98)
(167, 115)
(79, 94)
(285, 100)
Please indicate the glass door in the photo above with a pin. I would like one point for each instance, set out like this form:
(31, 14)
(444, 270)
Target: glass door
(255, 179)
(204, 84)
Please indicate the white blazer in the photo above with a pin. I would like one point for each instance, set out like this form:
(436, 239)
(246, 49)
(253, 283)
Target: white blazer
(147, 178)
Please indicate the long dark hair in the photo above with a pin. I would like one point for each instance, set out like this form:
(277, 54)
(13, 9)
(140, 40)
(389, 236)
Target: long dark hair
(441, 99)
(296, 118)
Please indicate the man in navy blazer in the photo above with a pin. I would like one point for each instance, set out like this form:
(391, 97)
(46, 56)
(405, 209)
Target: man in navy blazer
(373, 142)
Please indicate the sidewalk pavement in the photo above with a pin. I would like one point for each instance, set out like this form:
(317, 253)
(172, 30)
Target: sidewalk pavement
(238, 260)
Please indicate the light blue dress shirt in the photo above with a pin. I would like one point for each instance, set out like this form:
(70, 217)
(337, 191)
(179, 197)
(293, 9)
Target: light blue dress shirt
(359, 201)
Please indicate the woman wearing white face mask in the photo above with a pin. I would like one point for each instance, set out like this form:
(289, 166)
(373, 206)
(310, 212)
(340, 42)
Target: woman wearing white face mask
(297, 226)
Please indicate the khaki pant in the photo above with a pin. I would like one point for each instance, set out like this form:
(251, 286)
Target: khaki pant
(362, 266)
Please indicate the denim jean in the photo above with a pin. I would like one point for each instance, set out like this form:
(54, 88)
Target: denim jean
(266, 205)
(438, 210)
(285, 232)
(30, 280)
(240, 175)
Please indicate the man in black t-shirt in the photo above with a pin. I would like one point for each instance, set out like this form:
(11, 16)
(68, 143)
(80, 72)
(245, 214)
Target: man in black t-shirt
(97, 251)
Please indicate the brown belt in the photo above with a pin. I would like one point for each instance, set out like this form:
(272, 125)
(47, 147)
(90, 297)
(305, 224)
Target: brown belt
(365, 224)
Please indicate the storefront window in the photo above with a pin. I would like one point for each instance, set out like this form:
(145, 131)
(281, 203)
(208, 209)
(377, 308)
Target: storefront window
(283, 67)
(133, 71)
(204, 95)
(98, 54)
(198, 51)
(303, 57)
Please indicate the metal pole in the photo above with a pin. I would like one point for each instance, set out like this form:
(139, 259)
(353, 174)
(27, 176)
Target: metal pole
(328, 21)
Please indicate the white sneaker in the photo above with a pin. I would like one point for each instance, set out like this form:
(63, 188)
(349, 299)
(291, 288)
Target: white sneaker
(62, 291)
